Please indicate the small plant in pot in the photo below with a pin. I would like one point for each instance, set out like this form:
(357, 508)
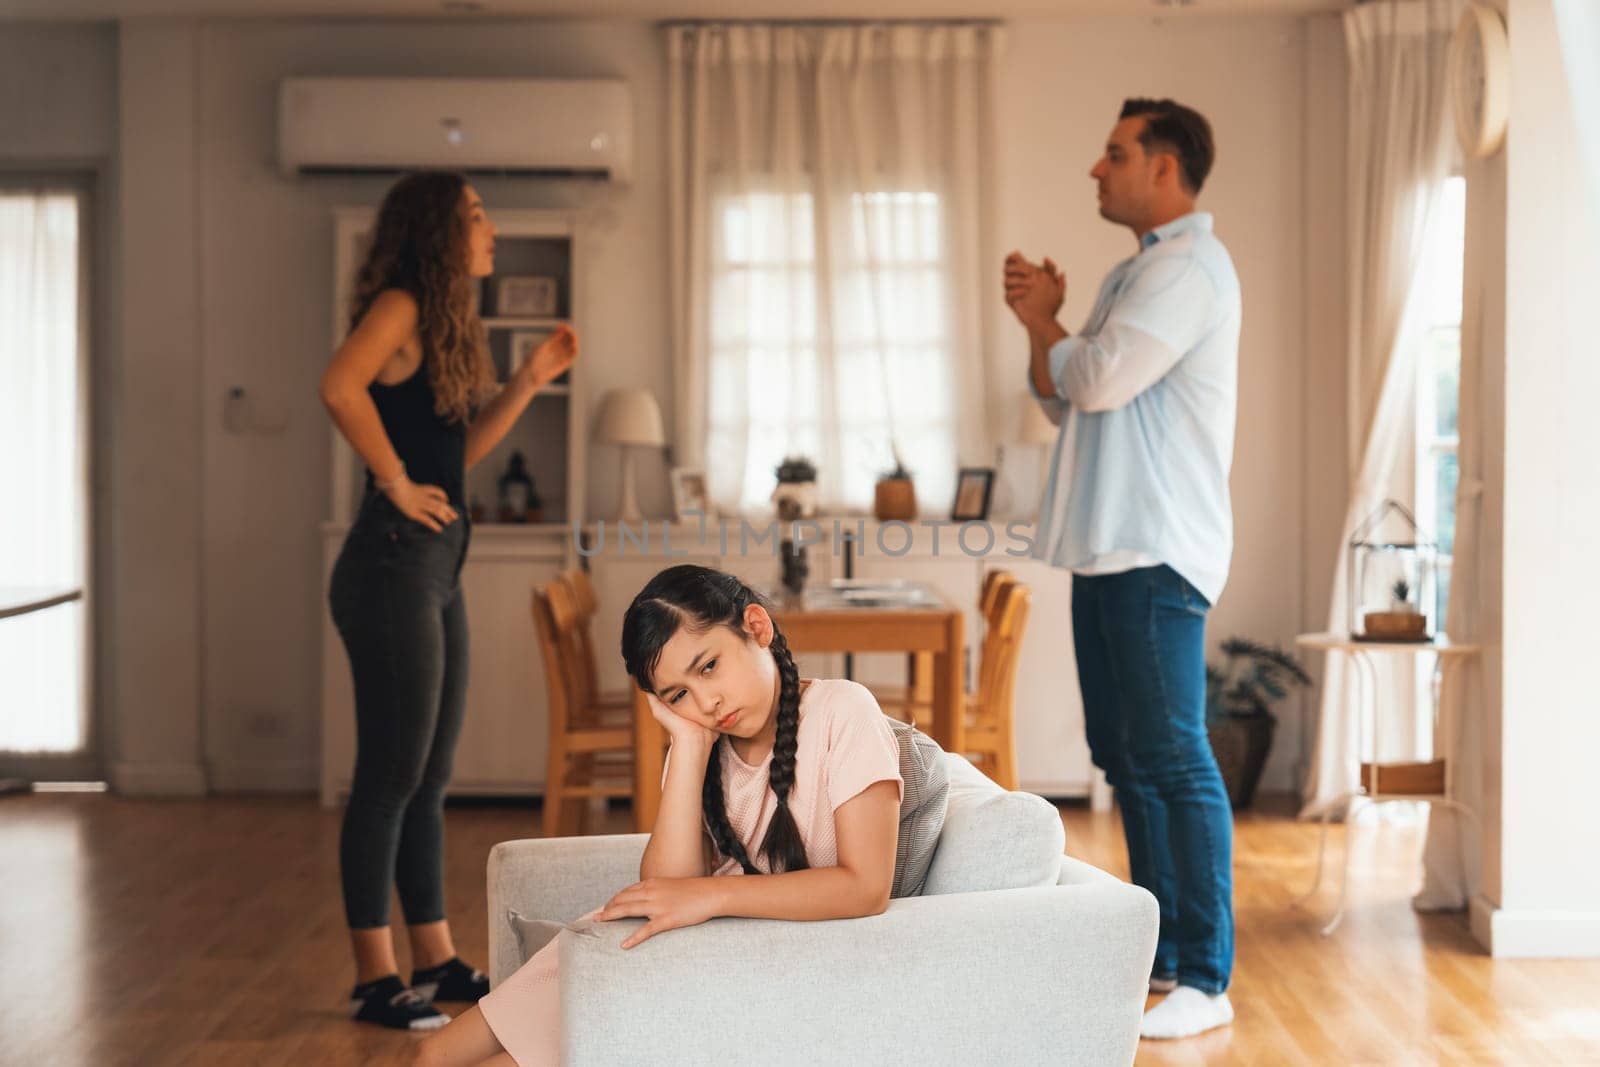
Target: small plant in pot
(1402, 622)
(796, 492)
(1241, 690)
(894, 498)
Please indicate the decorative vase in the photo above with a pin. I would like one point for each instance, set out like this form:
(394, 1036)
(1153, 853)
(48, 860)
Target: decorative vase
(894, 499)
(1241, 744)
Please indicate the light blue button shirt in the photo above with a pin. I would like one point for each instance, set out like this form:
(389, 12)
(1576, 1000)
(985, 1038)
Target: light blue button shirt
(1145, 398)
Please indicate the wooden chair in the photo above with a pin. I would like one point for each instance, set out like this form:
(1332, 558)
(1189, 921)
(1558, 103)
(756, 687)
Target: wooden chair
(580, 736)
(990, 711)
(588, 605)
(914, 703)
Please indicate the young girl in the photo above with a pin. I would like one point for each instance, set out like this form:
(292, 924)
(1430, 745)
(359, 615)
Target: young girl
(796, 782)
(405, 389)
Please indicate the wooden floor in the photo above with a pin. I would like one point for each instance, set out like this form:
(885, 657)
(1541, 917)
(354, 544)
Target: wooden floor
(210, 932)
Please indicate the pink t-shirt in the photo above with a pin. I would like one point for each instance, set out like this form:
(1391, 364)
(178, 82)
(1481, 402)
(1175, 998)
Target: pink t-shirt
(843, 744)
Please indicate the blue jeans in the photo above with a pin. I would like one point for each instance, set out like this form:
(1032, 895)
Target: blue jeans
(1140, 640)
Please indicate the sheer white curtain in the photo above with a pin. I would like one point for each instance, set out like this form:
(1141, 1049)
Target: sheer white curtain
(828, 232)
(41, 534)
(1400, 151)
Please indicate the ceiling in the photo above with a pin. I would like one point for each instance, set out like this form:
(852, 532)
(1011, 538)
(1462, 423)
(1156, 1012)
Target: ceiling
(75, 10)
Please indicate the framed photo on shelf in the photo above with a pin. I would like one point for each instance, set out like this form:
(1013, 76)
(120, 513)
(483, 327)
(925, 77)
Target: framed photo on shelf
(973, 488)
(689, 492)
(523, 345)
(525, 295)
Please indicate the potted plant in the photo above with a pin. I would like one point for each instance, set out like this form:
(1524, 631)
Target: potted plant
(1241, 690)
(1403, 621)
(894, 497)
(796, 492)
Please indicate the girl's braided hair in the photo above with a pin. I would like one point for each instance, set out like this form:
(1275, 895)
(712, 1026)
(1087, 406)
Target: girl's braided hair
(701, 598)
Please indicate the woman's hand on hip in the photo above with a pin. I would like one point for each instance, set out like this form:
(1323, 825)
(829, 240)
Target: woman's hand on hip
(425, 504)
(665, 904)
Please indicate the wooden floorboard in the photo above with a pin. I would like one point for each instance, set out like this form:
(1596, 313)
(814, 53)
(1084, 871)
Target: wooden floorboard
(210, 933)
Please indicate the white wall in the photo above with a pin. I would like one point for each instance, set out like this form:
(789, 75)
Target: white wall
(1540, 895)
(1061, 90)
(58, 84)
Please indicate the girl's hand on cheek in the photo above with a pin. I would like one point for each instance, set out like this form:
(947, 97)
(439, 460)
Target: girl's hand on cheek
(681, 730)
(666, 904)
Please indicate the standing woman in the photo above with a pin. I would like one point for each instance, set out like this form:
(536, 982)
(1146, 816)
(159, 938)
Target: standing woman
(413, 391)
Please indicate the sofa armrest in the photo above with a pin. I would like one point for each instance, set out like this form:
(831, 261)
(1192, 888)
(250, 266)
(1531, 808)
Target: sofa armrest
(557, 878)
(1077, 872)
(1053, 974)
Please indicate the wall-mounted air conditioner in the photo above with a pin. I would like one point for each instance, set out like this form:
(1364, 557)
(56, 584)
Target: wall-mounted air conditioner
(541, 127)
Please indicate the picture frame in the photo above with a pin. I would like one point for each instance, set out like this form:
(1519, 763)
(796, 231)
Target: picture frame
(523, 345)
(531, 295)
(689, 492)
(974, 488)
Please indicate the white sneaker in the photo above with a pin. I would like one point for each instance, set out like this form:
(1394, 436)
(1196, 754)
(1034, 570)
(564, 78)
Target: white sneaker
(1185, 1012)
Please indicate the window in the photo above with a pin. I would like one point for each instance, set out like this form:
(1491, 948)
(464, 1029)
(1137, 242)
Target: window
(1439, 376)
(43, 535)
(823, 355)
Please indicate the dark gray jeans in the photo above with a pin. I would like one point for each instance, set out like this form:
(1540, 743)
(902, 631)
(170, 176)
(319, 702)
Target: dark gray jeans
(396, 600)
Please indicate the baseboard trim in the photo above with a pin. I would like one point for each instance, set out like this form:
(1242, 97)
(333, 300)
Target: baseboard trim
(264, 776)
(1535, 935)
(158, 779)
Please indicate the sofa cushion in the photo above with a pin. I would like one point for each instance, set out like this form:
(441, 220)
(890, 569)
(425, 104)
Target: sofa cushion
(926, 778)
(993, 839)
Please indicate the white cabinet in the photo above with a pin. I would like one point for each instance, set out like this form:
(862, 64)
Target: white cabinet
(1052, 753)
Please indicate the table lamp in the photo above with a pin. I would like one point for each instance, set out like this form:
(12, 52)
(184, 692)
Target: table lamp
(629, 417)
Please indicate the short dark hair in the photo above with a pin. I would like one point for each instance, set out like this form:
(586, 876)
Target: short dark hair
(1183, 131)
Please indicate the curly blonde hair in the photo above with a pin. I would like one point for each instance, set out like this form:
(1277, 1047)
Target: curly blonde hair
(419, 245)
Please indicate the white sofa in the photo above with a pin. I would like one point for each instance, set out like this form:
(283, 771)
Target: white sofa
(1053, 971)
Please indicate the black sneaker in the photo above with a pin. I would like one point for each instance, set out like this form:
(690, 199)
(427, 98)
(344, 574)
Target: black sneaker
(451, 980)
(388, 1003)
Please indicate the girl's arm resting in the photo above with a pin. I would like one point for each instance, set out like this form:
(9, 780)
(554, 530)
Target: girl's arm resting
(383, 330)
(866, 826)
(678, 844)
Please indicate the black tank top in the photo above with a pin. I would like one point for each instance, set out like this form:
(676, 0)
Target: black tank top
(433, 448)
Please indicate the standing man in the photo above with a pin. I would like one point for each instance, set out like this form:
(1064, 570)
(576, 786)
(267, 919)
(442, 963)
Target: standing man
(1137, 508)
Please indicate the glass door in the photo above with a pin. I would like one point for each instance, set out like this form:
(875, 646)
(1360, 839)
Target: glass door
(45, 722)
